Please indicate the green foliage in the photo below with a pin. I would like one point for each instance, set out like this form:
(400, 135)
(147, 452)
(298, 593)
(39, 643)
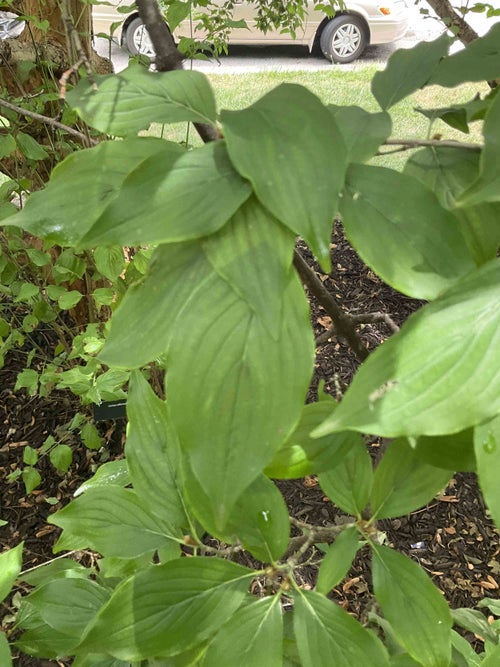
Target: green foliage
(220, 306)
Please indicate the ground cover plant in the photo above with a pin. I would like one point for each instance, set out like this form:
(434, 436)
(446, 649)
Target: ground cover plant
(196, 562)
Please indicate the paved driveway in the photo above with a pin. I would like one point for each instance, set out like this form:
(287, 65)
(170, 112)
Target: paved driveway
(286, 58)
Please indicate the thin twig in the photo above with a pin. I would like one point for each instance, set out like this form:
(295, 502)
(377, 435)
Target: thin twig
(407, 144)
(344, 326)
(361, 318)
(48, 121)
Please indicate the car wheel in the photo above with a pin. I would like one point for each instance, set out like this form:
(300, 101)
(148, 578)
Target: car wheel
(137, 40)
(343, 39)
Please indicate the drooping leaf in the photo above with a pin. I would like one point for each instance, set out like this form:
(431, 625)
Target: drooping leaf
(363, 132)
(401, 231)
(125, 103)
(152, 454)
(326, 635)
(403, 483)
(448, 173)
(161, 203)
(259, 520)
(487, 449)
(349, 484)
(253, 252)
(407, 70)
(114, 522)
(480, 61)
(487, 186)
(10, 566)
(68, 605)
(450, 452)
(168, 609)
(256, 395)
(253, 637)
(82, 186)
(338, 560)
(43, 641)
(288, 146)
(492, 658)
(416, 610)
(5, 655)
(438, 375)
(302, 455)
(460, 115)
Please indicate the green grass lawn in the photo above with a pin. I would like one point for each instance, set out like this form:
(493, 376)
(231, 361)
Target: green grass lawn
(338, 86)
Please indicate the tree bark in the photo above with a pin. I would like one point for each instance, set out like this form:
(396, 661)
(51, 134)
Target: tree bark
(453, 19)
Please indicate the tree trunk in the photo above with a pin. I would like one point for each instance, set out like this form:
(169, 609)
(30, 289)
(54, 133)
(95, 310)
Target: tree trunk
(453, 19)
(54, 45)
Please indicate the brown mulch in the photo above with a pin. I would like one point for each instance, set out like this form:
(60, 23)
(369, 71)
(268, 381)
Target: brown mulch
(452, 538)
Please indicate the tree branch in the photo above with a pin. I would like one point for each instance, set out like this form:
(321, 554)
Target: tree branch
(168, 57)
(361, 318)
(344, 325)
(453, 19)
(49, 121)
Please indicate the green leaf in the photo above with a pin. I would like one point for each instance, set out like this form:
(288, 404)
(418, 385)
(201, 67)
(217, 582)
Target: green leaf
(289, 147)
(61, 457)
(113, 521)
(448, 173)
(259, 521)
(90, 436)
(338, 560)
(161, 202)
(56, 569)
(492, 658)
(253, 637)
(113, 472)
(7, 145)
(480, 61)
(326, 635)
(256, 395)
(302, 455)
(401, 231)
(460, 115)
(487, 449)
(142, 325)
(168, 609)
(416, 610)
(82, 186)
(476, 622)
(110, 262)
(31, 479)
(10, 566)
(450, 452)
(30, 456)
(363, 132)
(487, 186)
(69, 300)
(5, 655)
(349, 484)
(29, 147)
(130, 101)
(438, 374)
(407, 70)
(26, 293)
(153, 454)
(42, 641)
(68, 605)
(103, 296)
(403, 483)
(251, 253)
(462, 652)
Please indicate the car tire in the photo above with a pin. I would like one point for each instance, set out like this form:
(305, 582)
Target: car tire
(344, 39)
(137, 40)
